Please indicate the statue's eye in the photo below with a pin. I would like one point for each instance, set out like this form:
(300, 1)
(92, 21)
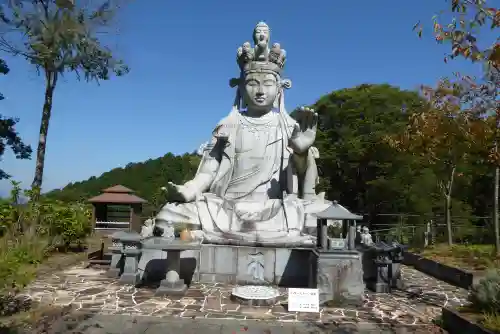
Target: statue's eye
(252, 83)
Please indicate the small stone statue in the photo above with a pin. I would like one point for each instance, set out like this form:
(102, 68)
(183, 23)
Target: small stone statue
(147, 228)
(153, 228)
(261, 40)
(366, 237)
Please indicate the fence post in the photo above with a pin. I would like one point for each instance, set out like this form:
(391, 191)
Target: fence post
(433, 232)
(427, 234)
(401, 229)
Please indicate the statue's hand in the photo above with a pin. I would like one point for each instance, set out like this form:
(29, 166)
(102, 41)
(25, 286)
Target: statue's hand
(305, 129)
(181, 193)
(307, 119)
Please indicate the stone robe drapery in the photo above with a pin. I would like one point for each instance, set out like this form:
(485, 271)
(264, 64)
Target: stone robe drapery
(234, 208)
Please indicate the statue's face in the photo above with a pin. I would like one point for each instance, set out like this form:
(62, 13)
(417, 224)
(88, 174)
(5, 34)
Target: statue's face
(261, 35)
(260, 91)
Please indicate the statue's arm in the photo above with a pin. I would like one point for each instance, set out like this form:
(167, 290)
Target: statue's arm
(208, 167)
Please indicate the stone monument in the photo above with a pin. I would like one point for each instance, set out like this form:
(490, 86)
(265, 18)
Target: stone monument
(253, 197)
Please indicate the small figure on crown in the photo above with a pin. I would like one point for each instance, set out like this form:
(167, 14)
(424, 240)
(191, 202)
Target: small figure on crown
(256, 181)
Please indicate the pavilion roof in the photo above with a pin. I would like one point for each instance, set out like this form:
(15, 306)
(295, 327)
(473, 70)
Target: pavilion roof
(337, 211)
(117, 194)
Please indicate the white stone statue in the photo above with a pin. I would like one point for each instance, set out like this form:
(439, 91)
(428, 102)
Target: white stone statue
(255, 184)
(366, 237)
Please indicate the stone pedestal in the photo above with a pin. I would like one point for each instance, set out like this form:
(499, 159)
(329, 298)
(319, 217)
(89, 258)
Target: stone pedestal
(131, 249)
(246, 265)
(339, 277)
(172, 284)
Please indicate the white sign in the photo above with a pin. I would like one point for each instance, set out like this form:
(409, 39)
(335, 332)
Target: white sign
(303, 300)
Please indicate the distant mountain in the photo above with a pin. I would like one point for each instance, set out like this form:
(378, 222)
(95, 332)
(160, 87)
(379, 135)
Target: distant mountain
(145, 178)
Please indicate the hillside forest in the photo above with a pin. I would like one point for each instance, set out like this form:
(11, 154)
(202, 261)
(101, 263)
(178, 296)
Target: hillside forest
(360, 165)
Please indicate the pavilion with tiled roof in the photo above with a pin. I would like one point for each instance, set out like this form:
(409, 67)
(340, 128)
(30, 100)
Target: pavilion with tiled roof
(117, 208)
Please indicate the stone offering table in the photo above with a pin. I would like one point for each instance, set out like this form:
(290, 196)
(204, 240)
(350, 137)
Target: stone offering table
(172, 284)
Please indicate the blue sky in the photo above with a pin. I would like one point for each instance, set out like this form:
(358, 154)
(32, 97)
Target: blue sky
(182, 55)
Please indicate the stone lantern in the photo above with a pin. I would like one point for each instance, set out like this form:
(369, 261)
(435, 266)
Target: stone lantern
(336, 212)
(338, 269)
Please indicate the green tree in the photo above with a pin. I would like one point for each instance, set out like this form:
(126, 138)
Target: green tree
(58, 37)
(9, 137)
(145, 178)
(358, 166)
(470, 22)
(442, 134)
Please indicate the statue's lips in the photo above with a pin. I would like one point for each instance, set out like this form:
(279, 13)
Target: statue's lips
(260, 99)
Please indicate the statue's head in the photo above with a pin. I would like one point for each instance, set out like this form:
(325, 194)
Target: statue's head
(260, 82)
(260, 90)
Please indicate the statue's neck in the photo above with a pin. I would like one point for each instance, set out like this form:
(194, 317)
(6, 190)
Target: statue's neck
(257, 113)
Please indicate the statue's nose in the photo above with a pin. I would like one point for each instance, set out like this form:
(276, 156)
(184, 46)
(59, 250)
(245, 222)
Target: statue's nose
(262, 37)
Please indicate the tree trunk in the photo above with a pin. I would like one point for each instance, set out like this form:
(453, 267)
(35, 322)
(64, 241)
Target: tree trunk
(448, 219)
(447, 197)
(50, 85)
(495, 212)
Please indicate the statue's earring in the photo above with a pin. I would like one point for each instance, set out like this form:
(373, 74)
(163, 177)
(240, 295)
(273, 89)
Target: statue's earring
(276, 103)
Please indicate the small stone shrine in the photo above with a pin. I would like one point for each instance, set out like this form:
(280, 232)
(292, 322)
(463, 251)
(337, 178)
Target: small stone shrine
(339, 271)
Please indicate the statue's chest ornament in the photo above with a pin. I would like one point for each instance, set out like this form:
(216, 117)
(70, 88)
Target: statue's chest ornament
(258, 131)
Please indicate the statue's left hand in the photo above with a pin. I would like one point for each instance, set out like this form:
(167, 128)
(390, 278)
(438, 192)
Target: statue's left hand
(304, 132)
(307, 119)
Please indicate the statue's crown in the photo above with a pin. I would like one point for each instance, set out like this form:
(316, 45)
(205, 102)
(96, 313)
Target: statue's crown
(261, 58)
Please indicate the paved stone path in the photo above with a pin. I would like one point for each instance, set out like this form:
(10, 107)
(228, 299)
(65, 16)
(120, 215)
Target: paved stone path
(92, 293)
(119, 324)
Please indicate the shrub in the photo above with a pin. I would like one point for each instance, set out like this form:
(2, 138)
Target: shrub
(30, 231)
(485, 295)
(62, 223)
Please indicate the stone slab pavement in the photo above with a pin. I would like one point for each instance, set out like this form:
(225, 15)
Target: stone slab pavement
(108, 307)
(123, 324)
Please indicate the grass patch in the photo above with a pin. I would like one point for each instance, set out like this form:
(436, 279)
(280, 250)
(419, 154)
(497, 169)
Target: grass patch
(467, 257)
(36, 321)
(20, 264)
(489, 320)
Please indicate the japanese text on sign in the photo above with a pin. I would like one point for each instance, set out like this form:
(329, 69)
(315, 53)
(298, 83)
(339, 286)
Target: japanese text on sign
(303, 300)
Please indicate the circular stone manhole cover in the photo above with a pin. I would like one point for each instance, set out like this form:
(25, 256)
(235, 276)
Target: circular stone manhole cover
(255, 295)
